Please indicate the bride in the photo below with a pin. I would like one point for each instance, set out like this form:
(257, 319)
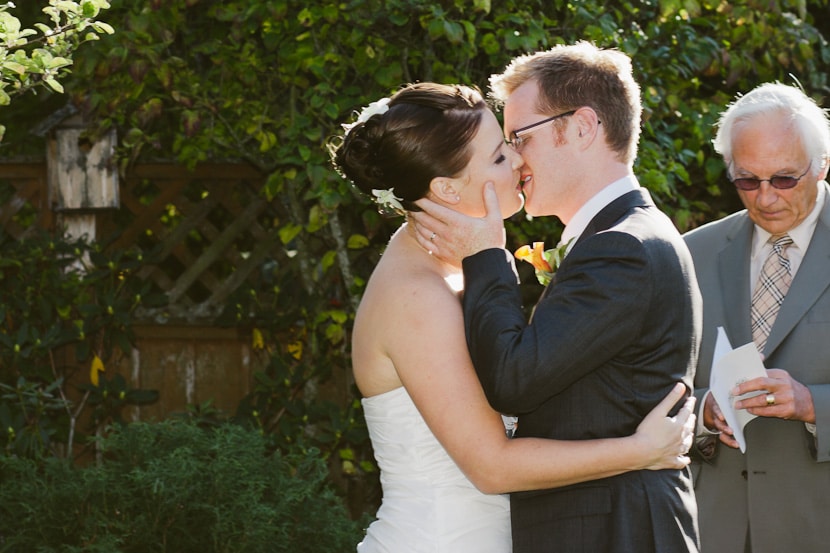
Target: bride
(443, 452)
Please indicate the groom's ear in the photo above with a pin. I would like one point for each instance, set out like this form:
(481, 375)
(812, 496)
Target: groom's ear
(445, 189)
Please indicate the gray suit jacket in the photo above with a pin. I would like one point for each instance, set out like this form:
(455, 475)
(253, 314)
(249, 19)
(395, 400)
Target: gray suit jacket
(611, 335)
(781, 486)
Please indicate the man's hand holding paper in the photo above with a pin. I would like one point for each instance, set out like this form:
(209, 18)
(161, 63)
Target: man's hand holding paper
(782, 397)
(733, 380)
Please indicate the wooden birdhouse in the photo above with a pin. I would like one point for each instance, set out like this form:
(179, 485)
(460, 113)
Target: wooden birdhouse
(82, 174)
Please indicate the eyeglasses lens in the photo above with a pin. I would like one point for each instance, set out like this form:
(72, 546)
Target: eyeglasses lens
(781, 183)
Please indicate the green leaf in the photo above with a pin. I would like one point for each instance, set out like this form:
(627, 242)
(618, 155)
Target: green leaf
(102, 27)
(57, 62)
(89, 9)
(328, 260)
(316, 219)
(454, 32)
(482, 5)
(335, 333)
(289, 232)
(14, 66)
(357, 242)
(54, 85)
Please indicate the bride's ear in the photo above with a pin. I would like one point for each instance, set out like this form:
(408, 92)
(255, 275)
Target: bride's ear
(446, 189)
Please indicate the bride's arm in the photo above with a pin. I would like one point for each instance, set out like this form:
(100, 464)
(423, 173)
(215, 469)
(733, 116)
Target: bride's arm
(428, 348)
(659, 443)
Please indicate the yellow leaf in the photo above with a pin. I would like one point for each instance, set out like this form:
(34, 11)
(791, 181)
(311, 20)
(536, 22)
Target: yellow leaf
(349, 468)
(258, 342)
(296, 350)
(97, 367)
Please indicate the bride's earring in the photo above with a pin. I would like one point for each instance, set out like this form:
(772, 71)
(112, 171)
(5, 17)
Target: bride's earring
(445, 189)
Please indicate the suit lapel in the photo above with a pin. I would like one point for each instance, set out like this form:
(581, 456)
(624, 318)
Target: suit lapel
(809, 284)
(614, 211)
(733, 272)
(606, 218)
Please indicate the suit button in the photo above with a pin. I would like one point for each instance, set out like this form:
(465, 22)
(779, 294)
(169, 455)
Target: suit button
(743, 473)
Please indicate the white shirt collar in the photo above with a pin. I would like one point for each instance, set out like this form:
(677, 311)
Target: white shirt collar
(589, 210)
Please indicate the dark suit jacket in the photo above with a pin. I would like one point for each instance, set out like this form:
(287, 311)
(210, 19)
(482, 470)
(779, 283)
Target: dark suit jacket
(781, 486)
(615, 330)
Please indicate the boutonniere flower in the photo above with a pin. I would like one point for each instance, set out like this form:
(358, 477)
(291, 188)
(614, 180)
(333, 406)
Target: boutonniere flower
(544, 261)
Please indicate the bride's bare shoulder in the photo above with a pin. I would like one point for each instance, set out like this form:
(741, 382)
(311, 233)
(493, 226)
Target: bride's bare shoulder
(407, 302)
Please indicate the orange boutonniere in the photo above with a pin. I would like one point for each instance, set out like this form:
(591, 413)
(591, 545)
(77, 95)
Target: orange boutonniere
(544, 261)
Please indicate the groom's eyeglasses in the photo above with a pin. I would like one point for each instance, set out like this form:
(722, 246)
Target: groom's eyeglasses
(780, 182)
(517, 137)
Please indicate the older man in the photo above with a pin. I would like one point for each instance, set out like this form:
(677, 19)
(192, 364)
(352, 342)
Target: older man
(764, 273)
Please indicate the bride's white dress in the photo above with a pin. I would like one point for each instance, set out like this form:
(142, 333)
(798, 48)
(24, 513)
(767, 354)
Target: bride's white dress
(428, 504)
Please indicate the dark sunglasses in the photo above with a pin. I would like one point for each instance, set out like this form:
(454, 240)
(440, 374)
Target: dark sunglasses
(777, 181)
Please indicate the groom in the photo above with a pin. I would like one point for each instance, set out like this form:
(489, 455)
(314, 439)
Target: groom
(617, 327)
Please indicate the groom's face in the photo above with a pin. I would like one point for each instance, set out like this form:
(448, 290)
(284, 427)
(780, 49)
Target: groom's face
(544, 150)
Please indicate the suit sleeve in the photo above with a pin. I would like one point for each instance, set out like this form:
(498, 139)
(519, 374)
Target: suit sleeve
(594, 308)
(821, 404)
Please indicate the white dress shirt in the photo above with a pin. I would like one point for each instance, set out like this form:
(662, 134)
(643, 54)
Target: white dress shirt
(579, 222)
(801, 235)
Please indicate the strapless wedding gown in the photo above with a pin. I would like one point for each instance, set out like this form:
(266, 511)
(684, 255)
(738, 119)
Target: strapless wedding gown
(428, 506)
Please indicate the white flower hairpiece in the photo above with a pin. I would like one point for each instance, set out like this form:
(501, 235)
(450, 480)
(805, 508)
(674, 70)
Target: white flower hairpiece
(387, 200)
(375, 108)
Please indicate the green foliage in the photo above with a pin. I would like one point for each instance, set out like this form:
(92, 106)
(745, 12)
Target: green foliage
(174, 487)
(63, 305)
(268, 82)
(38, 57)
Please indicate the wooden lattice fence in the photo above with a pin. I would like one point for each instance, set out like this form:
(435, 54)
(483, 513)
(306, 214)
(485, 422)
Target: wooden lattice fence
(208, 232)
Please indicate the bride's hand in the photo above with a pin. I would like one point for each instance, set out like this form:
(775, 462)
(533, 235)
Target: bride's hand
(666, 440)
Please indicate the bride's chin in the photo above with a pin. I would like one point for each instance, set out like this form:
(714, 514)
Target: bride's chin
(508, 212)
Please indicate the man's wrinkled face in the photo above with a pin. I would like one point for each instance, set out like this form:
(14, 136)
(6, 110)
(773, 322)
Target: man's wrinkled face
(768, 146)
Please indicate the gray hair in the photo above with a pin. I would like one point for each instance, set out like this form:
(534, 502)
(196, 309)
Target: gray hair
(811, 121)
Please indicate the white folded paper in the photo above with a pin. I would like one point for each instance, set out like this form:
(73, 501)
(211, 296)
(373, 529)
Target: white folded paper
(730, 367)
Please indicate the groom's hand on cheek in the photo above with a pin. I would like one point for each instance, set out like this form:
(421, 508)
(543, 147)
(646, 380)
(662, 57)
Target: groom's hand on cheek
(456, 235)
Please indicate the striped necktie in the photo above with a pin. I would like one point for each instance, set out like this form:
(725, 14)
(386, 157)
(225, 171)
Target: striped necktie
(772, 286)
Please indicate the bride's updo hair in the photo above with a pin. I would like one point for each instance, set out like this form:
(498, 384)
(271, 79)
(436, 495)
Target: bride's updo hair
(424, 133)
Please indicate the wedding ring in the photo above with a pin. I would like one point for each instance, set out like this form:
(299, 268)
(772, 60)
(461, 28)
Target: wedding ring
(770, 399)
(432, 238)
